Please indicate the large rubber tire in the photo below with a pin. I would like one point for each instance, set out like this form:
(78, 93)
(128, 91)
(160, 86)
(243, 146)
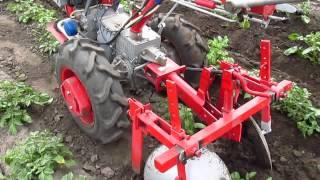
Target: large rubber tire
(187, 42)
(101, 84)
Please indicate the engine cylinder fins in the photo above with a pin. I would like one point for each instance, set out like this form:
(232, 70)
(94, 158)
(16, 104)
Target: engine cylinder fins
(208, 166)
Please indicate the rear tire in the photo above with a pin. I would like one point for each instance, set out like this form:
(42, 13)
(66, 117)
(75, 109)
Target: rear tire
(87, 62)
(185, 39)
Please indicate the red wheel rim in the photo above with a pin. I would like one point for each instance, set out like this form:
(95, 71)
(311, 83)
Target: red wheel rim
(76, 97)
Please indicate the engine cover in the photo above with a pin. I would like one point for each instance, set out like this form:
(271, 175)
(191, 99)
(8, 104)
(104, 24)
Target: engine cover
(110, 23)
(131, 48)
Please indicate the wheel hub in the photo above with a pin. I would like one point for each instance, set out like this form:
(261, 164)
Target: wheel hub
(77, 99)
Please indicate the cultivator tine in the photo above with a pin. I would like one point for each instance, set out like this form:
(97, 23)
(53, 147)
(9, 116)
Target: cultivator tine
(259, 141)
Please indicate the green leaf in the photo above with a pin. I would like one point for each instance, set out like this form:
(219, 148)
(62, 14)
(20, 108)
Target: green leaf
(59, 159)
(68, 176)
(291, 50)
(2, 177)
(305, 19)
(245, 24)
(293, 36)
(308, 50)
(199, 126)
(235, 176)
(250, 175)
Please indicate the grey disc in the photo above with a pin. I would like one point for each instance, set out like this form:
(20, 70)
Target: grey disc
(256, 136)
(288, 8)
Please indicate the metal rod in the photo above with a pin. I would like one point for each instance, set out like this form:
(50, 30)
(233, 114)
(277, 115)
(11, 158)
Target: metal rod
(194, 7)
(252, 3)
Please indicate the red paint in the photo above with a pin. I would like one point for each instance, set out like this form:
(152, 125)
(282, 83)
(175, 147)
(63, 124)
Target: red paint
(107, 2)
(265, 10)
(76, 97)
(60, 37)
(206, 3)
(137, 28)
(224, 120)
(69, 9)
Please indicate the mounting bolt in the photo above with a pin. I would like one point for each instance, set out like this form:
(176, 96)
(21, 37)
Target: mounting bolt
(68, 93)
(198, 153)
(70, 107)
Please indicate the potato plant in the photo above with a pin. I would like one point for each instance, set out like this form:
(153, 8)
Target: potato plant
(30, 11)
(298, 107)
(218, 51)
(189, 122)
(37, 157)
(309, 49)
(306, 9)
(15, 98)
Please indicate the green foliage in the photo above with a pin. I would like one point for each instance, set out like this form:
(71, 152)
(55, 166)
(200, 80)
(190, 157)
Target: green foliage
(306, 9)
(125, 4)
(70, 176)
(217, 51)
(30, 11)
(15, 96)
(37, 157)
(309, 50)
(245, 24)
(189, 124)
(2, 177)
(248, 176)
(298, 107)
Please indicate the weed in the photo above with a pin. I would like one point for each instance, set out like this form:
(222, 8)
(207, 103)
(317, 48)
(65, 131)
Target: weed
(37, 157)
(15, 97)
(29, 11)
(248, 176)
(217, 51)
(311, 48)
(298, 107)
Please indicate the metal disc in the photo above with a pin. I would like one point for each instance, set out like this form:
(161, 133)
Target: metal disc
(256, 136)
(288, 8)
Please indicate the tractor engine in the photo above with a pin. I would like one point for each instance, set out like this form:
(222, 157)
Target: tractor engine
(103, 25)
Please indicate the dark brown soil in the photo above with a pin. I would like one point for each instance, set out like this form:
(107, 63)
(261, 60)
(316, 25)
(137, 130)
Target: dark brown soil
(294, 157)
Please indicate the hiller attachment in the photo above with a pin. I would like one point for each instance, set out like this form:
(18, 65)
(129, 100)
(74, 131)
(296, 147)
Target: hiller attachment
(224, 119)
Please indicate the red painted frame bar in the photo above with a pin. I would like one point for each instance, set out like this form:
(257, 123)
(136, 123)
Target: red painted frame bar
(221, 121)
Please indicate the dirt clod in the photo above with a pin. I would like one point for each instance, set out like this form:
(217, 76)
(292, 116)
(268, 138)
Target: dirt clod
(297, 153)
(283, 159)
(107, 172)
(68, 139)
(89, 167)
(94, 158)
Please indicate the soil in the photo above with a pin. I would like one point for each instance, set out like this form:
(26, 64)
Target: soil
(294, 157)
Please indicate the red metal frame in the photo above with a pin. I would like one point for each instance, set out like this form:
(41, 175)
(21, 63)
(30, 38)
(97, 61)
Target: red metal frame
(60, 37)
(222, 120)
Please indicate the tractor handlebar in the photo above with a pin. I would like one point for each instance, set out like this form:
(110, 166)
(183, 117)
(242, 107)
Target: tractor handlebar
(253, 3)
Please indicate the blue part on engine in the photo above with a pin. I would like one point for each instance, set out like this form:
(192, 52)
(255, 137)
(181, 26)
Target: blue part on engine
(70, 26)
(158, 2)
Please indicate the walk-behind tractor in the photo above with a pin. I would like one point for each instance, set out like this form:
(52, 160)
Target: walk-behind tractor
(104, 47)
